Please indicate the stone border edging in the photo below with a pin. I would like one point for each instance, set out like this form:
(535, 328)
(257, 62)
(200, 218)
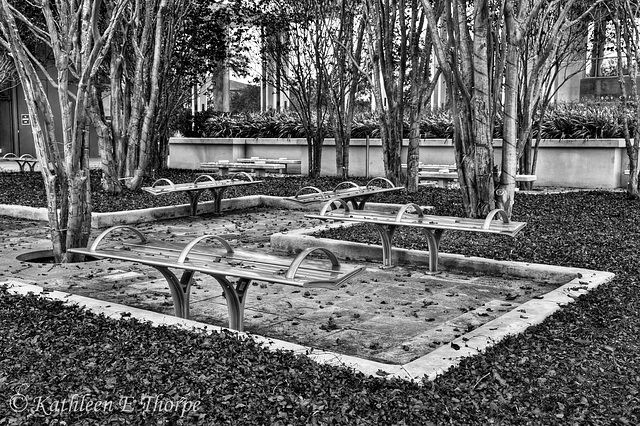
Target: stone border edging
(577, 281)
(426, 367)
(128, 217)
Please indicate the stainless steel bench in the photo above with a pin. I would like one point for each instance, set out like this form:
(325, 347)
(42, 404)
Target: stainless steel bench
(443, 174)
(27, 160)
(433, 226)
(289, 164)
(259, 169)
(223, 264)
(202, 183)
(347, 191)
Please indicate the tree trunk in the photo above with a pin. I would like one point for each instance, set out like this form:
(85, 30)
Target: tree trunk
(340, 167)
(505, 193)
(632, 185)
(413, 155)
(314, 150)
(391, 138)
(110, 183)
(481, 126)
(77, 48)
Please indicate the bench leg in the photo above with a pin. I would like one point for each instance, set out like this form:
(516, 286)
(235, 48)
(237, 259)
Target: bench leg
(359, 202)
(386, 235)
(235, 299)
(433, 243)
(179, 290)
(194, 196)
(217, 193)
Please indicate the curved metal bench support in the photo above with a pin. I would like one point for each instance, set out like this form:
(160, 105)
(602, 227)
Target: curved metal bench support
(335, 266)
(242, 174)
(171, 184)
(185, 251)
(329, 205)
(346, 183)
(100, 237)
(323, 196)
(386, 235)
(205, 176)
(293, 268)
(235, 297)
(381, 179)
(180, 289)
(433, 244)
(404, 208)
(490, 216)
(387, 232)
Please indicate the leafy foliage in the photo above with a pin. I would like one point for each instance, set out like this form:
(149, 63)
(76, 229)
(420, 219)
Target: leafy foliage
(589, 120)
(577, 367)
(584, 121)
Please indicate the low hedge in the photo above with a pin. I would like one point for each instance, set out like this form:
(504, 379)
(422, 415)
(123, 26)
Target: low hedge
(561, 121)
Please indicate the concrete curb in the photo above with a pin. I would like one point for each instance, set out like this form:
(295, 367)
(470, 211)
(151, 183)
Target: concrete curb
(129, 217)
(426, 367)
(573, 282)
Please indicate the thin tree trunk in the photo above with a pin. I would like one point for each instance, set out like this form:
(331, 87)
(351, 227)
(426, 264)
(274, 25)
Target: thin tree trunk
(110, 183)
(505, 193)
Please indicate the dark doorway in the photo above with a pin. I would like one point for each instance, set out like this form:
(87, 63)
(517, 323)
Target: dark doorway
(6, 121)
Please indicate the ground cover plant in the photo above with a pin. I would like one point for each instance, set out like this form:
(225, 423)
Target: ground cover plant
(579, 367)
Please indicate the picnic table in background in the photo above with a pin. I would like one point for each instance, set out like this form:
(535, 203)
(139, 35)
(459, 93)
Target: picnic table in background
(434, 226)
(348, 191)
(224, 167)
(22, 161)
(444, 174)
(288, 163)
(202, 183)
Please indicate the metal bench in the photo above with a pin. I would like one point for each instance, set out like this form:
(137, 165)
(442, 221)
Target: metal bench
(223, 264)
(347, 191)
(224, 167)
(290, 165)
(443, 177)
(22, 161)
(433, 226)
(195, 189)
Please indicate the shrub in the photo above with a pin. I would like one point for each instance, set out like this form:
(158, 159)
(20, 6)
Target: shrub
(572, 120)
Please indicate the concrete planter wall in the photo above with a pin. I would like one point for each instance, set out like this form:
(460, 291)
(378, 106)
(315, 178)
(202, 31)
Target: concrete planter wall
(596, 163)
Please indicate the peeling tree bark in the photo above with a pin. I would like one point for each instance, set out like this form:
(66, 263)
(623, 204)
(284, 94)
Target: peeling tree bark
(78, 48)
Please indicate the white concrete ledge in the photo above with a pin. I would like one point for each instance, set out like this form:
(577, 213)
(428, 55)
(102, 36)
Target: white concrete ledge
(130, 217)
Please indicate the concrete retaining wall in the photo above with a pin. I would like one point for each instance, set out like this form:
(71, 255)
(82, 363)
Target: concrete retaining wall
(596, 163)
